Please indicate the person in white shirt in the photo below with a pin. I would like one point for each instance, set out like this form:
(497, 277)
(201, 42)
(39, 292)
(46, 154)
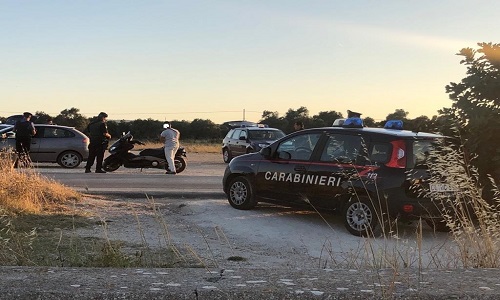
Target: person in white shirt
(170, 137)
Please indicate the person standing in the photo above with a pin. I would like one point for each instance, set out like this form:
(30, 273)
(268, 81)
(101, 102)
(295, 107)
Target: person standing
(298, 125)
(99, 138)
(25, 130)
(170, 137)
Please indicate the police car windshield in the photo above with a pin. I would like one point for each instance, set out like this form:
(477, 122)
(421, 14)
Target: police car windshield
(265, 134)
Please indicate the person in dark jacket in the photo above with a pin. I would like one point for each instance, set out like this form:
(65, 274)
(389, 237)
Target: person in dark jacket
(99, 138)
(25, 130)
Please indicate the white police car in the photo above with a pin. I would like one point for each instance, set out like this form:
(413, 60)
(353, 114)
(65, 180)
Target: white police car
(365, 173)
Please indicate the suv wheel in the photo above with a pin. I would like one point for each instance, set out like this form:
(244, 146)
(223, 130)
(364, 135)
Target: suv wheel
(360, 217)
(226, 155)
(240, 193)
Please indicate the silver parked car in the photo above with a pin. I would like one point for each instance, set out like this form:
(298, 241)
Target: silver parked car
(64, 145)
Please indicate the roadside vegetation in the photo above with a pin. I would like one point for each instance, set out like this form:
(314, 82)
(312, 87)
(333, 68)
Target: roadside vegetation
(39, 219)
(199, 146)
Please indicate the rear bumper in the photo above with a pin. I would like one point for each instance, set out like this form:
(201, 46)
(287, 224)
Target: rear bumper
(402, 206)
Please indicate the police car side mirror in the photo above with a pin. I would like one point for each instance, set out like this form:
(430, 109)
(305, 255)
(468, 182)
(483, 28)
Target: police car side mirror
(266, 152)
(242, 138)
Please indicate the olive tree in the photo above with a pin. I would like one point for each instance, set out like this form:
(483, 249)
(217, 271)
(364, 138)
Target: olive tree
(476, 106)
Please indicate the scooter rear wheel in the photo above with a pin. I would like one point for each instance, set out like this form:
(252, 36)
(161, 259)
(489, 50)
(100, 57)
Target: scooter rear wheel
(111, 165)
(180, 164)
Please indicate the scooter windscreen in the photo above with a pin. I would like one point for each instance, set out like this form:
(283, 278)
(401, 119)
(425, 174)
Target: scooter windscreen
(120, 142)
(127, 136)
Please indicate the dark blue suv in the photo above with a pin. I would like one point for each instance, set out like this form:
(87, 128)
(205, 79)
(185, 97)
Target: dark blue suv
(367, 174)
(248, 139)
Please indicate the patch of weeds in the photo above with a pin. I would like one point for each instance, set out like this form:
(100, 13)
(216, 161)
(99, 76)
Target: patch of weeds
(51, 240)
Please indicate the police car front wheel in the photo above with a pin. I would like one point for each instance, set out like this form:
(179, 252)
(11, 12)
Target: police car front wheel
(240, 193)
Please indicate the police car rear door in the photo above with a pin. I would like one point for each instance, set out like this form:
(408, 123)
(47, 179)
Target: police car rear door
(328, 176)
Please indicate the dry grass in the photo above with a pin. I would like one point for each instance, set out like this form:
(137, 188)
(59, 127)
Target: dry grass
(473, 221)
(39, 219)
(25, 190)
(191, 146)
(28, 202)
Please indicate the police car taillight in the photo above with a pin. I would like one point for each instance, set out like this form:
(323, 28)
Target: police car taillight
(398, 155)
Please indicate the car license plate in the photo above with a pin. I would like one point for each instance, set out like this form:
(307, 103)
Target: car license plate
(442, 187)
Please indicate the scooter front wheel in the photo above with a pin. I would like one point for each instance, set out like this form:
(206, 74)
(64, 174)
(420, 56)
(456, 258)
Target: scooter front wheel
(110, 165)
(180, 164)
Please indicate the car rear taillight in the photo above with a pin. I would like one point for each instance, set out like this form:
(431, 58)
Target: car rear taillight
(398, 155)
(85, 140)
(408, 208)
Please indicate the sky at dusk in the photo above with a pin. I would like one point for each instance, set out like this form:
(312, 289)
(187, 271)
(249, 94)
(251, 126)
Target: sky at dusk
(229, 60)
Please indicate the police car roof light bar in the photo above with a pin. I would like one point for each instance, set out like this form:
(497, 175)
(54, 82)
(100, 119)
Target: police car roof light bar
(353, 123)
(394, 124)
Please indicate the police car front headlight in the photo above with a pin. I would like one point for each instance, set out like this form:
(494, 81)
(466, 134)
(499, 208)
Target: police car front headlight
(263, 145)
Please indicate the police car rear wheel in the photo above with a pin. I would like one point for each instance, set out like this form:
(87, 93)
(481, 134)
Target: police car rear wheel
(240, 193)
(359, 217)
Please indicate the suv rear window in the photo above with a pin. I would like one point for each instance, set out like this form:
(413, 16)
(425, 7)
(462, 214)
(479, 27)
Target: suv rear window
(421, 151)
(265, 134)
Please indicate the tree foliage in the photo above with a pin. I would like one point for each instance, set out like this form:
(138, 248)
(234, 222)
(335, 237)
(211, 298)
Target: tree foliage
(476, 106)
(72, 117)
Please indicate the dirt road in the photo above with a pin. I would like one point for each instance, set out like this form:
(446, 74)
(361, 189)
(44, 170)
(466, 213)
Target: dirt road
(267, 236)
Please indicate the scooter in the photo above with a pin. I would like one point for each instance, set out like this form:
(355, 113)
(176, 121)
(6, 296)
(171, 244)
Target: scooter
(148, 158)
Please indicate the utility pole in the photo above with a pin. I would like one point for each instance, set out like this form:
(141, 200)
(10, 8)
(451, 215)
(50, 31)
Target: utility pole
(243, 114)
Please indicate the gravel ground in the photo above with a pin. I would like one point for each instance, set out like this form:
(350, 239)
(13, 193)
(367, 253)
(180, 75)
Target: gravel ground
(284, 253)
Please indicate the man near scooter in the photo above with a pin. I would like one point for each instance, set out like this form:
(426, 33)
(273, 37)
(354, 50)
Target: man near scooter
(99, 138)
(170, 137)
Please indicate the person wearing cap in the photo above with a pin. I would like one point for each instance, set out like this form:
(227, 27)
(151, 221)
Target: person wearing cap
(99, 138)
(24, 130)
(170, 137)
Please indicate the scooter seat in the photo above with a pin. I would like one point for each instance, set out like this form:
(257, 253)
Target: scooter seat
(156, 152)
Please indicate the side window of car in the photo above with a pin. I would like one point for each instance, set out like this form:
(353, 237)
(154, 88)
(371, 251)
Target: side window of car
(299, 147)
(236, 134)
(67, 133)
(243, 135)
(53, 133)
(379, 152)
(58, 133)
(39, 132)
(230, 133)
(340, 148)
